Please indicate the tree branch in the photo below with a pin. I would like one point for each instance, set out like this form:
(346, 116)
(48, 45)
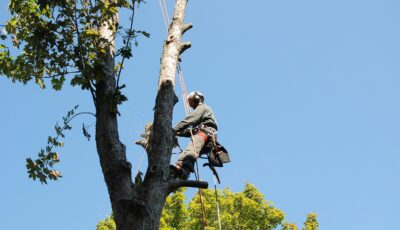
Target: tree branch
(81, 64)
(79, 40)
(59, 74)
(184, 46)
(66, 123)
(127, 42)
(81, 113)
(187, 27)
(174, 185)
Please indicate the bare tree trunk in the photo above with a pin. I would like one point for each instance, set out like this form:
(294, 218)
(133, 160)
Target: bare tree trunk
(139, 206)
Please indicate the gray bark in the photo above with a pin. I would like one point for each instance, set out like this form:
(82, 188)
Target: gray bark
(116, 169)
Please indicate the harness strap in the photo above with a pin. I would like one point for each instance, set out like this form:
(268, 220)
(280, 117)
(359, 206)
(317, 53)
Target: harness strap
(203, 135)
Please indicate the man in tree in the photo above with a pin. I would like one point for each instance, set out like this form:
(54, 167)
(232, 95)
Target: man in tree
(201, 126)
(77, 40)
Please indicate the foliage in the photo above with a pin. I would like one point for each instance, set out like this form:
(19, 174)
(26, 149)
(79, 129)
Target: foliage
(289, 226)
(107, 224)
(311, 222)
(175, 214)
(241, 210)
(42, 168)
(58, 38)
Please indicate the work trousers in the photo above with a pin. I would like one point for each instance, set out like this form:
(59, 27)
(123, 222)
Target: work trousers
(192, 151)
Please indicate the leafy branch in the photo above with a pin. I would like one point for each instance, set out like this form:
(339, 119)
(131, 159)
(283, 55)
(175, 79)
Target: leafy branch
(42, 168)
(126, 51)
(127, 44)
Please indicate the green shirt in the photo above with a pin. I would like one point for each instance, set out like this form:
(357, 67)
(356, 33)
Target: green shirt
(202, 115)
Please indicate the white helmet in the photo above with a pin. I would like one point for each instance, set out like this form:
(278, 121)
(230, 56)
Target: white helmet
(196, 96)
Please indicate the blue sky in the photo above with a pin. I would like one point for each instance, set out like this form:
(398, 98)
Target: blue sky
(306, 94)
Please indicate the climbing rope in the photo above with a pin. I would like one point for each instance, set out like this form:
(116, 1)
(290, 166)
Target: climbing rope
(183, 88)
(165, 15)
(216, 199)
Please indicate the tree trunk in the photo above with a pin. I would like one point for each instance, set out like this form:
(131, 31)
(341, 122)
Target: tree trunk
(139, 206)
(116, 169)
(157, 181)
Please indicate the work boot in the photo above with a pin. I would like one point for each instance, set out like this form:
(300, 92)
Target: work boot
(179, 172)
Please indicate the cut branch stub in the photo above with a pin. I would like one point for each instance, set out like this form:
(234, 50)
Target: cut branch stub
(176, 184)
(184, 46)
(186, 27)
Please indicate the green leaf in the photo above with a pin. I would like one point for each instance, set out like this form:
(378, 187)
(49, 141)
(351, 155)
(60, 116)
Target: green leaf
(146, 34)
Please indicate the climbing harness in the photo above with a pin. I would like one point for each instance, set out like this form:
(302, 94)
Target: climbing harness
(217, 155)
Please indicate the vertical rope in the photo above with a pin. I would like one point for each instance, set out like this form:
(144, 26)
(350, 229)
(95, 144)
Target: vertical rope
(216, 198)
(184, 92)
(163, 15)
(166, 11)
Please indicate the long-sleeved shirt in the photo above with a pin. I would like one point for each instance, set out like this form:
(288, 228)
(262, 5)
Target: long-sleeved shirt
(202, 115)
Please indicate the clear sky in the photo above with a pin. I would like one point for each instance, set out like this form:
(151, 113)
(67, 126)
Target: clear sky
(306, 94)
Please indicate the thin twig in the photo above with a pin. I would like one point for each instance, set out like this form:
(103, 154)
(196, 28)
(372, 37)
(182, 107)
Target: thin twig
(81, 58)
(67, 122)
(91, 4)
(79, 40)
(127, 42)
(82, 113)
(73, 19)
(64, 73)
(82, 3)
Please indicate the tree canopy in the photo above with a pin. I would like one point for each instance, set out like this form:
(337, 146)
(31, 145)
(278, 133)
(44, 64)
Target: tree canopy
(61, 38)
(247, 209)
